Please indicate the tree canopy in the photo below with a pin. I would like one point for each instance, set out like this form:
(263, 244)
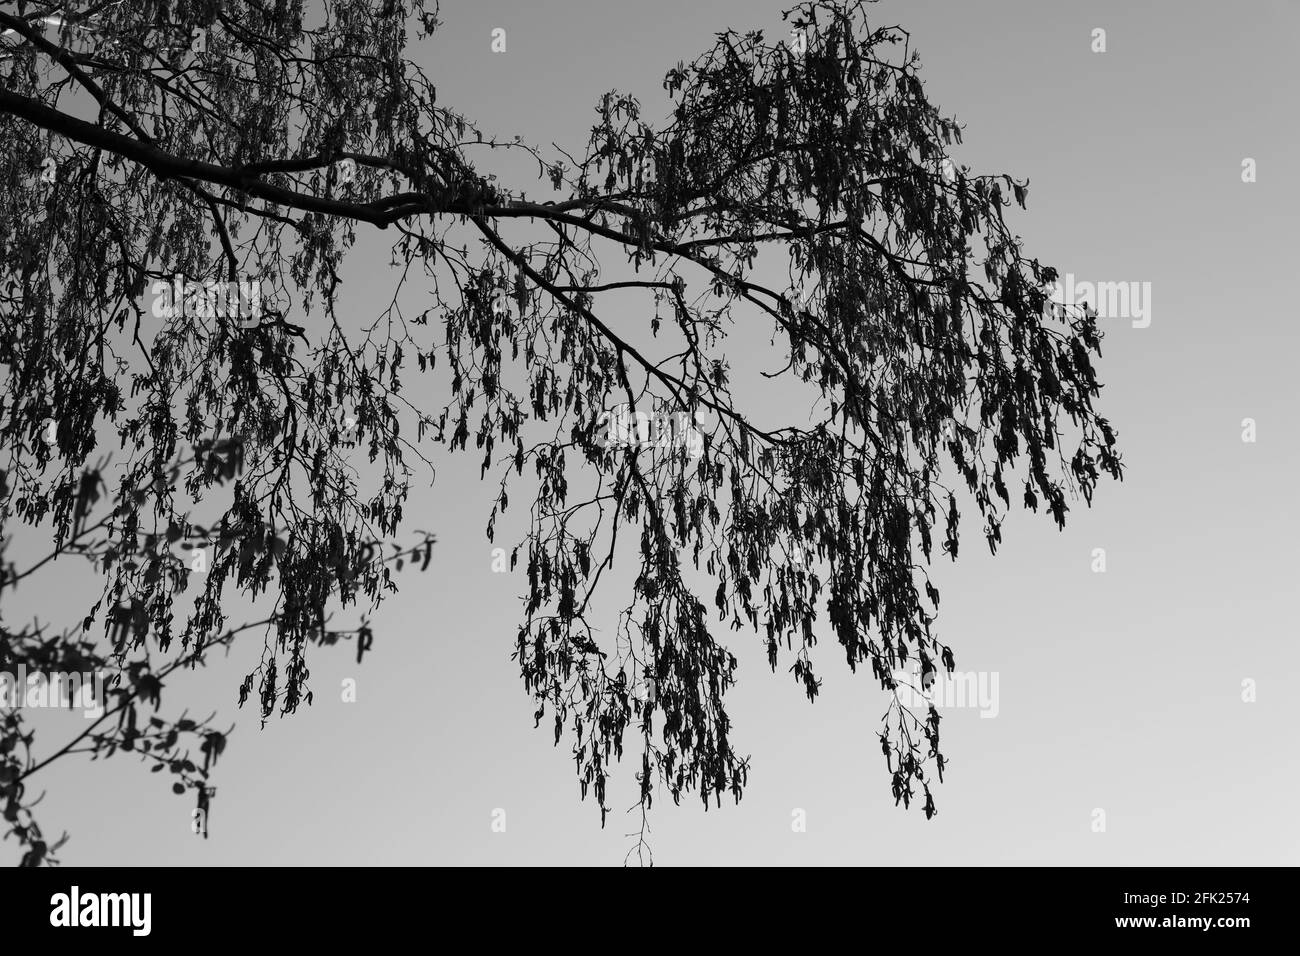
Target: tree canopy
(800, 185)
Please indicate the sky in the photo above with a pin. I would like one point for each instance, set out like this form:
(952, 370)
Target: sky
(1120, 691)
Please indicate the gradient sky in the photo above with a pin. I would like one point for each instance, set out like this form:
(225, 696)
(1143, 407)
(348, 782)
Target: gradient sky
(1119, 691)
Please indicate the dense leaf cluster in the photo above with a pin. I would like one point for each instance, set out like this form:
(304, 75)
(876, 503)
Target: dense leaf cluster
(800, 193)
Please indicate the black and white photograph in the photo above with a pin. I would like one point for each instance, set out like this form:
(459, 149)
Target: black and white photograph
(501, 434)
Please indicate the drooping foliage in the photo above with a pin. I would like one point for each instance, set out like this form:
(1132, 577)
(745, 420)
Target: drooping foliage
(800, 194)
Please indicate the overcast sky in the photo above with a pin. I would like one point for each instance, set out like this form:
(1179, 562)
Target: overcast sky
(1119, 691)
